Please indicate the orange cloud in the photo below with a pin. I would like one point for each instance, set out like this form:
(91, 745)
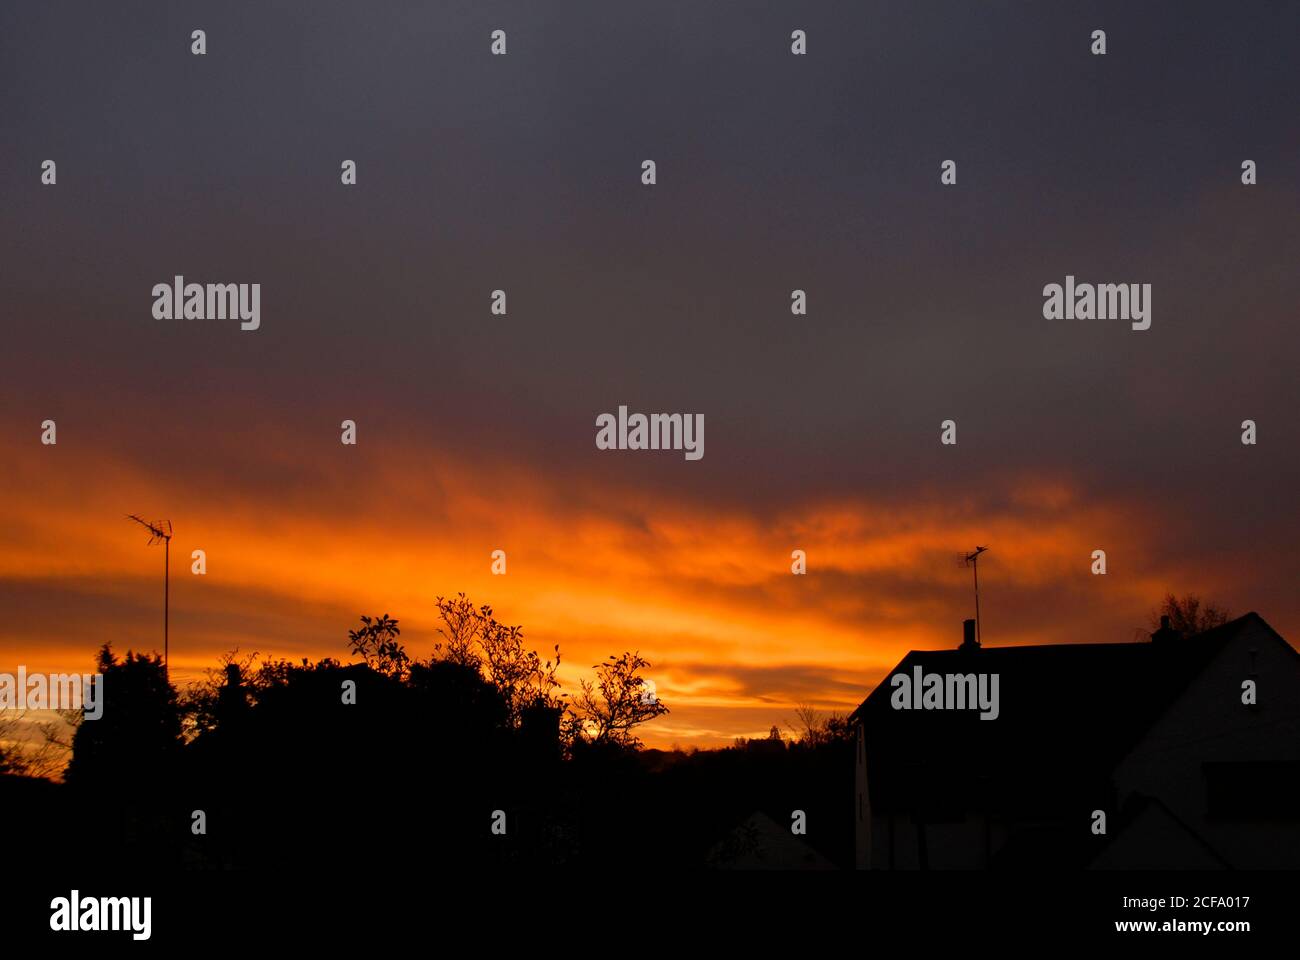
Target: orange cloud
(705, 593)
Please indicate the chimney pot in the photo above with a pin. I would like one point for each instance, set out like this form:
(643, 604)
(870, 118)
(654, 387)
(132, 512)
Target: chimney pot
(1165, 633)
(968, 641)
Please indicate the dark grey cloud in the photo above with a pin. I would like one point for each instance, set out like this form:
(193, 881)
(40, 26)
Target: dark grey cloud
(775, 172)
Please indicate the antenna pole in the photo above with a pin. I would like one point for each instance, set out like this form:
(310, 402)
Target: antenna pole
(167, 564)
(156, 534)
(973, 560)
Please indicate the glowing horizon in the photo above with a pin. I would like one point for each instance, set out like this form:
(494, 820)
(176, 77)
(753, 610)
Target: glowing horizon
(735, 639)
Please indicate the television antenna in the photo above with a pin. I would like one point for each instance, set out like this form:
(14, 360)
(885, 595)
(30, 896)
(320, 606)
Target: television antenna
(972, 560)
(161, 532)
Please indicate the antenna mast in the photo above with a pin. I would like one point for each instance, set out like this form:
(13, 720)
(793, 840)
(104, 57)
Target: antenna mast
(157, 534)
(972, 560)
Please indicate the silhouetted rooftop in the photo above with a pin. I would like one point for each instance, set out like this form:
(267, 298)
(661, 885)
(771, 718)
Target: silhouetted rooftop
(1067, 714)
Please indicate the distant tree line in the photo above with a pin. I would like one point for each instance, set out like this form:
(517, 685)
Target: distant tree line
(470, 758)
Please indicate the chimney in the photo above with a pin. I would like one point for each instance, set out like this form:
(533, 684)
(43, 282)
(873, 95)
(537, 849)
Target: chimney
(1165, 633)
(968, 641)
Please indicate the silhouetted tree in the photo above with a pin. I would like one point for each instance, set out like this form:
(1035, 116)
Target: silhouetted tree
(608, 710)
(138, 736)
(522, 677)
(460, 626)
(376, 641)
(814, 730)
(301, 764)
(807, 725)
(125, 766)
(476, 639)
(200, 702)
(1187, 615)
(9, 762)
(36, 748)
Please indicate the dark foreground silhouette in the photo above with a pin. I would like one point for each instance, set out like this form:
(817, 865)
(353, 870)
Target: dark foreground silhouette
(1179, 752)
(426, 765)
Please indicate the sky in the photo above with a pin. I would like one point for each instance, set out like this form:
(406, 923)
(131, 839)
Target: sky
(476, 432)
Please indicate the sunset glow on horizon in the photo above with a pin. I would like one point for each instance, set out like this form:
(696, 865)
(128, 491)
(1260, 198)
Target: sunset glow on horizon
(704, 592)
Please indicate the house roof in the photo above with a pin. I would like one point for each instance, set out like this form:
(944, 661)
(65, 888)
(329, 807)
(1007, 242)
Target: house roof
(760, 843)
(1067, 714)
(1150, 836)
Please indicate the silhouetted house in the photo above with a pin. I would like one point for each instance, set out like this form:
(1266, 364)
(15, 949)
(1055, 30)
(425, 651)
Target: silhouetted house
(1156, 735)
(760, 843)
(772, 743)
